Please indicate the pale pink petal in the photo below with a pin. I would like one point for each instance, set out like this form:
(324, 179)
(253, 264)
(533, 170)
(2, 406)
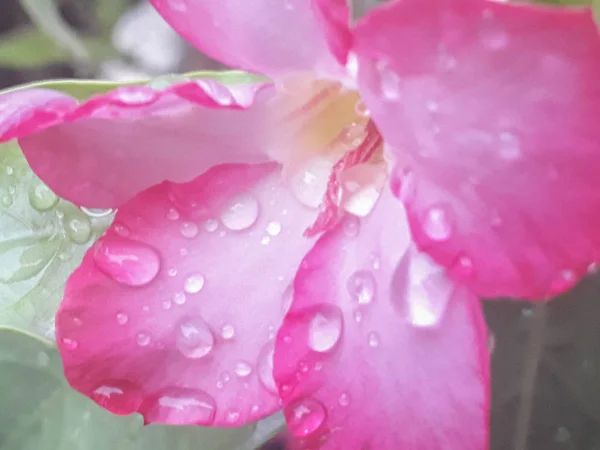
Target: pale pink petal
(262, 36)
(104, 151)
(380, 349)
(491, 111)
(174, 310)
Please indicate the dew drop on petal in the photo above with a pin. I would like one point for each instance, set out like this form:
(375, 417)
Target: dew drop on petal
(304, 416)
(361, 286)
(194, 339)
(274, 228)
(265, 367)
(173, 214)
(211, 225)
(389, 81)
(361, 109)
(179, 298)
(351, 226)
(143, 339)
(373, 339)
(243, 369)
(181, 405)
(325, 329)
(42, 198)
(70, 344)
(122, 318)
(436, 225)
(194, 283)
(241, 213)
(344, 399)
(232, 416)
(189, 230)
(227, 332)
(125, 261)
(118, 396)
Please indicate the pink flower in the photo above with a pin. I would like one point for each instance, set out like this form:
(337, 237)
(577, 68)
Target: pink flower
(221, 292)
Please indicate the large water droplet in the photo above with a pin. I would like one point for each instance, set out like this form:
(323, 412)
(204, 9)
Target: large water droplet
(389, 81)
(194, 339)
(243, 369)
(125, 261)
(304, 416)
(265, 367)
(189, 230)
(180, 405)
(325, 328)
(437, 225)
(78, 228)
(194, 283)
(118, 396)
(361, 286)
(241, 213)
(42, 198)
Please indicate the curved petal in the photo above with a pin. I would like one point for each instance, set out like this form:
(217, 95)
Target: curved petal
(262, 36)
(173, 311)
(378, 336)
(103, 152)
(491, 110)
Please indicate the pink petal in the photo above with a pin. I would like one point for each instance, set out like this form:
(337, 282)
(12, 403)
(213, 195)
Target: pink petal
(262, 36)
(491, 111)
(103, 152)
(174, 310)
(380, 349)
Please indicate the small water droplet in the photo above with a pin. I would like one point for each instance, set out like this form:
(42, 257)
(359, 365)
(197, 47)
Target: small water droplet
(97, 212)
(227, 332)
(265, 240)
(373, 339)
(134, 96)
(361, 286)
(70, 344)
(304, 416)
(194, 283)
(9, 170)
(232, 416)
(389, 81)
(437, 225)
(325, 328)
(173, 214)
(351, 226)
(6, 200)
(42, 198)
(361, 109)
(344, 399)
(122, 318)
(241, 213)
(181, 405)
(125, 261)
(358, 316)
(121, 229)
(143, 339)
(179, 298)
(243, 369)
(194, 340)
(118, 396)
(172, 272)
(566, 280)
(353, 135)
(274, 228)
(79, 229)
(166, 304)
(211, 225)
(189, 230)
(265, 367)
(226, 377)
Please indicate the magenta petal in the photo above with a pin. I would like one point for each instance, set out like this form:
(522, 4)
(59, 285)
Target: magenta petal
(262, 36)
(380, 349)
(492, 111)
(174, 310)
(103, 152)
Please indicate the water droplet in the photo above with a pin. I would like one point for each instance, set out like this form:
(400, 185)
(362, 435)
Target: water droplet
(227, 332)
(194, 283)
(7, 200)
(173, 214)
(121, 229)
(344, 399)
(180, 405)
(232, 416)
(361, 286)
(9, 170)
(309, 184)
(172, 272)
(166, 304)
(566, 280)
(304, 416)
(135, 96)
(226, 377)
(462, 267)
(265, 367)
(325, 328)
(179, 298)
(189, 230)
(360, 108)
(373, 339)
(351, 226)
(243, 369)
(97, 212)
(118, 396)
(143, 339)
(265, 240)
(389, 81)
(211, 225)
(79, 229)
(353, 135)
(125, 261)
(70, 344)
(122, 318)
(42, 198)
(436, 225)
(195, 340)
(358, 316)
(274, 228)
(241, 213)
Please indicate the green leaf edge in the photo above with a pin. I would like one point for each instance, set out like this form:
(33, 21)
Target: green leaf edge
(45, 342)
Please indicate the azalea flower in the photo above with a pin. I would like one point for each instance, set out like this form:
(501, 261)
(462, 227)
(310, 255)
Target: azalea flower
(317, 240)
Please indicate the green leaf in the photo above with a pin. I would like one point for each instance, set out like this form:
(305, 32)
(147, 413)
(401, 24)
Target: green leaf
(596, 10)
(41, 412)
(42, 240)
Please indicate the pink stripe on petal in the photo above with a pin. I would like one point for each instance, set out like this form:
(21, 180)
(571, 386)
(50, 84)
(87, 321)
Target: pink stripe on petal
(174, 310)
(380, 349)
(490, 110)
